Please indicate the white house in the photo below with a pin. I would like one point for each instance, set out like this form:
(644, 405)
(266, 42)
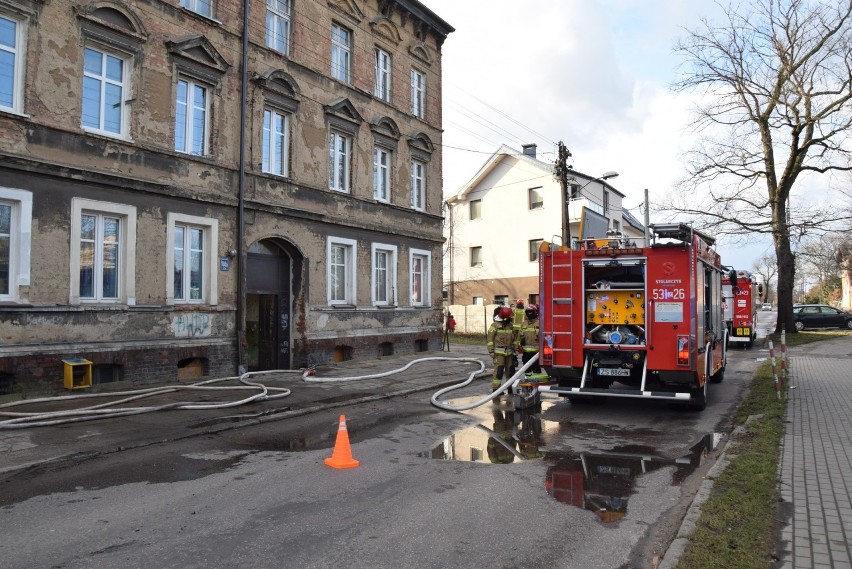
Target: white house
(496, 222)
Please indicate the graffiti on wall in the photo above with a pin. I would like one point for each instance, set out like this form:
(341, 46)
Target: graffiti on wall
(192, 325)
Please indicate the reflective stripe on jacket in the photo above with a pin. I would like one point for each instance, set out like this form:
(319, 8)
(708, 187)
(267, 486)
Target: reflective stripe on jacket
(502, 338)
(529, 336)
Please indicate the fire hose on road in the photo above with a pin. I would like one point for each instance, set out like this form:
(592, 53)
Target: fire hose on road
(119, 408)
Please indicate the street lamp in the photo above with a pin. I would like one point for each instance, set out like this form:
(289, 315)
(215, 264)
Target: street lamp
(566, 202)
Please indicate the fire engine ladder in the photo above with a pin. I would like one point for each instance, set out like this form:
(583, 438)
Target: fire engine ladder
(564, 308)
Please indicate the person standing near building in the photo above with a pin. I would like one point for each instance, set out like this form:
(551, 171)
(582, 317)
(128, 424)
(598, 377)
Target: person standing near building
(528, 338)
(502, 341)
(518, 314)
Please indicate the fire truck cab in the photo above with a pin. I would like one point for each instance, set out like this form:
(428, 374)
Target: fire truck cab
(639, 321)
(741, 293)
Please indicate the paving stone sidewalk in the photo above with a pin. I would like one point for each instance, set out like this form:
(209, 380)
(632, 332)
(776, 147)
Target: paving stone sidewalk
(816, 463)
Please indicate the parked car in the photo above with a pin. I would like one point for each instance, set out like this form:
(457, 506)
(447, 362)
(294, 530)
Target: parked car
(820, 316)
(767, 306)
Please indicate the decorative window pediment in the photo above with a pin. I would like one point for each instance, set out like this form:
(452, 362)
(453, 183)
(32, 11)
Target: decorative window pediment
(344, 112)
(200, 57)
(347, 8)
(419, 51)
(113, 24)
(385, 132)
(386, 29)
(385, 126)
(421, 147)
(280, 89)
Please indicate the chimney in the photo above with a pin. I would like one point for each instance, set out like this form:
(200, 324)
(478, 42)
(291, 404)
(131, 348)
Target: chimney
(529, 149)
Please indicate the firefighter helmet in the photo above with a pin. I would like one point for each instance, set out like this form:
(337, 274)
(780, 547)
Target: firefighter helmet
(532, 311)
(505, 313)
(520, 303)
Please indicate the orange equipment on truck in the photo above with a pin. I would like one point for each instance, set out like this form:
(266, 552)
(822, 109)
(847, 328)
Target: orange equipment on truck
(648, 318)
(742, 294)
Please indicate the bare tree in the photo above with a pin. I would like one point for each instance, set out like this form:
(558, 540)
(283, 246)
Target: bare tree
(778, 78)
(818, 257)
(766, 267)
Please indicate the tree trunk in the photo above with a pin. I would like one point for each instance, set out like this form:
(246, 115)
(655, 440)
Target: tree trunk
(786, 263)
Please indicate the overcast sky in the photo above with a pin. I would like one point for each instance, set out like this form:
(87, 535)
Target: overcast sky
(594, 74)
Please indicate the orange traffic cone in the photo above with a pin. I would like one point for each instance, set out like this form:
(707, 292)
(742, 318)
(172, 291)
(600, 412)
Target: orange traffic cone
(342, 455)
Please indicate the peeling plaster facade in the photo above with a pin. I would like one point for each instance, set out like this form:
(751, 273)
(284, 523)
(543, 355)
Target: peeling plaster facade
(147, 230)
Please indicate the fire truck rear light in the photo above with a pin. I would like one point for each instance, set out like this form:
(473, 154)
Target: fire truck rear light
(547, 351)
(683, 350)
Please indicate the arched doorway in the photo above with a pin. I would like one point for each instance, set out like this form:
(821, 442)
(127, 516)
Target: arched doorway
(269, 304)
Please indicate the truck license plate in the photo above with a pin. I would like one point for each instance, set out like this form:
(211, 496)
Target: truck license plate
(617, 371)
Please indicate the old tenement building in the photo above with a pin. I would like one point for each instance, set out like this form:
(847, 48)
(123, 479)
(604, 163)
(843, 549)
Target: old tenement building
(185, 191)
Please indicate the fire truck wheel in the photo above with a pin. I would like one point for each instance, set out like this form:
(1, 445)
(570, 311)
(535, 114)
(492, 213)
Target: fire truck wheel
(699, 398)
(718, 376)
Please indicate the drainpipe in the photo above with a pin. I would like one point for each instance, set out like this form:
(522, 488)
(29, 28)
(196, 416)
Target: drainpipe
(241, 254)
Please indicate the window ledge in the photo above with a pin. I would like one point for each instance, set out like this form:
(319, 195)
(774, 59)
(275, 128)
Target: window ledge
(343, 306)
(385, 306)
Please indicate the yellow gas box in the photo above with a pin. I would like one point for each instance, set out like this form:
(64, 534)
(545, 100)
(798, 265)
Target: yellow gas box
(78, 373)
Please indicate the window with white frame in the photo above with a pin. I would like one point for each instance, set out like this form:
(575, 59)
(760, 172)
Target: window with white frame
(191, 117)
(193, 243)
(616, 226)
(104, 92)
(278, 25)
(103, 252)
(341, 271)
(418, 184)
(341, 52)
(420, 263)
(16, 210)
(276, 143)
(339, 156)
(383, 75)
(381, 174)
(605, 201)
(203, 7)
(384, 275)
(12, 61)
(418, 94)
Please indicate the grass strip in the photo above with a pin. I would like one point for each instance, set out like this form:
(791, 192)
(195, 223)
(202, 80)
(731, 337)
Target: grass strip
(737, 523)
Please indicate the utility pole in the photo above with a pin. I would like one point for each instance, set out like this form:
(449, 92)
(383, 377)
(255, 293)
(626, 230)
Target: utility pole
(561, 171)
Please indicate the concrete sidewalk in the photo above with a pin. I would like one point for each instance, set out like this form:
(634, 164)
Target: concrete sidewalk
(816, 464)
(28, 447)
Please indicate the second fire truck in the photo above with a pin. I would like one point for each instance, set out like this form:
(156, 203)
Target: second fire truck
(742, 294)
(621, 320)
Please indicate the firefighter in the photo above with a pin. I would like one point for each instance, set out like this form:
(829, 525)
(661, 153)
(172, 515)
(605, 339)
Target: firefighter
(518, 317)
(502, 341)
(528, 338)
(518, 314)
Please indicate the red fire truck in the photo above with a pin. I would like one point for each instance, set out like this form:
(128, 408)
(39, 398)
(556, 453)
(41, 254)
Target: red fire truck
(648, 318)
(742, 294)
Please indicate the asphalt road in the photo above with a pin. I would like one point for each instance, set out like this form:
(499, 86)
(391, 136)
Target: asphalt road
(573, 486)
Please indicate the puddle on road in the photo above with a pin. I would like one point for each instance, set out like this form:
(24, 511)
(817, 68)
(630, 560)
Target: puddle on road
(601, 482)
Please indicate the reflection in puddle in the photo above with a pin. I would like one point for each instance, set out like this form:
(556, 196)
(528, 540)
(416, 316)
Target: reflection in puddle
(601, 482)
(505, 436)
